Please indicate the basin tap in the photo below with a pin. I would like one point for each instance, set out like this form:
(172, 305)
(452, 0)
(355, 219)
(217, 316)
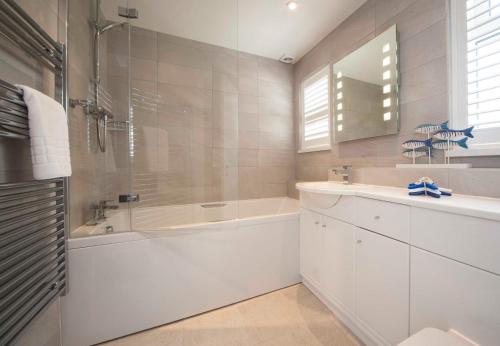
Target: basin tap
(345, 172)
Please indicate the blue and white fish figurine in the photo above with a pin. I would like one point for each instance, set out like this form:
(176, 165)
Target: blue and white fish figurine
(430, 128)
(450, 134)
(443, 144)
(410, 153)
(415, 144)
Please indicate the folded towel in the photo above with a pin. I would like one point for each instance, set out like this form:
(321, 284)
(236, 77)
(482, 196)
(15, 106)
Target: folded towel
(426, 192)
(431, 186)
(425, 186)
(445, 192)
(48, 129)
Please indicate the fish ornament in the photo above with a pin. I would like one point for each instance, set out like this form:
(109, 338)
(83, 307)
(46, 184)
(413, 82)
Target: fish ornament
(431, 128)
(449, 144)
(415, 144)
(416, 153)
(444, 139)
(453, 134)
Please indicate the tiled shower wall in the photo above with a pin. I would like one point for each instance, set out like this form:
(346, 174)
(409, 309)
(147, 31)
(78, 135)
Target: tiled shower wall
(210, 123)
(423, 58)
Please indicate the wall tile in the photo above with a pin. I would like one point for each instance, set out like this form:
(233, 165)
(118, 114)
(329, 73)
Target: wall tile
(276, 158)
(476, 181)
(424, 47)
(248, 157)
(181, 54)
(424, 81)
(184, 76)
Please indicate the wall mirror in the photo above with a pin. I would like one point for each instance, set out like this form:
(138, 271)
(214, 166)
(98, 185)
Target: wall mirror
(365, 90)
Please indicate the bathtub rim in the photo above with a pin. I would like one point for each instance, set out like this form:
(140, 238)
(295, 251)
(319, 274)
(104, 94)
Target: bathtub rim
(137, 235)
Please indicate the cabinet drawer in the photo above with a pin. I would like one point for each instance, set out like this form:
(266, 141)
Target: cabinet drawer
(389, 219)
(336, 206)
(466, 239)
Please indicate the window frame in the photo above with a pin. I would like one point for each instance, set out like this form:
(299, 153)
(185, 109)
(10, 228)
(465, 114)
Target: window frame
(486, 141)
(324, 70)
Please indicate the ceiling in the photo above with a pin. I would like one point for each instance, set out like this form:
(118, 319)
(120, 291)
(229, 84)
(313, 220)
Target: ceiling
(262, 27)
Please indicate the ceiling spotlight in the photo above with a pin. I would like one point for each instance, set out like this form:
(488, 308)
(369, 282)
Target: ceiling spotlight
(292, 5)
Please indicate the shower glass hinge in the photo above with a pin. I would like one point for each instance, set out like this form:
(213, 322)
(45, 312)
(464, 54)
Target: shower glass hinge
(128, 198)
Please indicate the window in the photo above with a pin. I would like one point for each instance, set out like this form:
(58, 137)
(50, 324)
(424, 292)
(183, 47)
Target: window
(315, 105)
(475, 72)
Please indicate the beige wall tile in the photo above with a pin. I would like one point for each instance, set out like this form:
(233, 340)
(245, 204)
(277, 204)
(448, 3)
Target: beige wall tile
(424, 47)
(248, 157)
(276, 158)
(225, 82)
(184, 76)
(476, 181)
(248, 122)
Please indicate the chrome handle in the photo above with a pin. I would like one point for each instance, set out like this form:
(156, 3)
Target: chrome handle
(128, 198)
(213, 205)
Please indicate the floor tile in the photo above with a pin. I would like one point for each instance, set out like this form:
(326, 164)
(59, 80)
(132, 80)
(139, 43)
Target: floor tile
(290, 316)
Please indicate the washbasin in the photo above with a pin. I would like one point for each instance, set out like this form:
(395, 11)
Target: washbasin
(328, 187)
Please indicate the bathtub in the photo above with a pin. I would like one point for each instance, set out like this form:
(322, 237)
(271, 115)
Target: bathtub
(177, 262)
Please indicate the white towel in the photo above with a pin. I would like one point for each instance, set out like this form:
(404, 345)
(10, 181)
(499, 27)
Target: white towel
(48, 129)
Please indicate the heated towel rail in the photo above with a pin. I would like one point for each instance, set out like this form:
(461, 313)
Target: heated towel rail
(33, 214)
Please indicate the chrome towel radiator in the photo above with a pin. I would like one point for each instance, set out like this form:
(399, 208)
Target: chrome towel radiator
(33, 214)
(32, 251)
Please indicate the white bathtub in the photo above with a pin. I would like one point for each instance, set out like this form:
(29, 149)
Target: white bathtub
(177, 262)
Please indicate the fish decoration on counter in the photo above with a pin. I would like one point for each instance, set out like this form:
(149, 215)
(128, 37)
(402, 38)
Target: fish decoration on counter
(444, 139)
(449, 144)
(415, 153)
(451, 134)
(415, 144)
(431, 128)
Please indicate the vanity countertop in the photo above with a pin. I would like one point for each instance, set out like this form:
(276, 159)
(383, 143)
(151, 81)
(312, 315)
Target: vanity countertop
(481, 207)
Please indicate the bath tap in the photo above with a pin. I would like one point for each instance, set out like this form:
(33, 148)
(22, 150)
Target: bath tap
(344, 171)
(99, 211)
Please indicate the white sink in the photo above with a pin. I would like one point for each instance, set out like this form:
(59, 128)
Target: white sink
(328, 187)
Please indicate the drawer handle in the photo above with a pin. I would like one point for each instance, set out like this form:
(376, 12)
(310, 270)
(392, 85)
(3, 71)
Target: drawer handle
(324, 226)
(316, 223)
(377, 217)
(359, 241)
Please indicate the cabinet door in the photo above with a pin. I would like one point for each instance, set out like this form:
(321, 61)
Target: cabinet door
(382, 285)
(310, 246)
(447, 294)
(338, 262)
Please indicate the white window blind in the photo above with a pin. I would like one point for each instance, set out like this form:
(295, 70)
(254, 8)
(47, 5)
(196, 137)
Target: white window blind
(483, 63)
(316, 111)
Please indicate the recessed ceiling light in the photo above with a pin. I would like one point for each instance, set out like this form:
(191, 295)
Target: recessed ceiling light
(292, 5)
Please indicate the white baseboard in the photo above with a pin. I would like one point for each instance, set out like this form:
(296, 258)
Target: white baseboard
(367, 336)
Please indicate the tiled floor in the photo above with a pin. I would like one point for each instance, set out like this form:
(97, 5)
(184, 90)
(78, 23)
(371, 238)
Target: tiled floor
(288, 317)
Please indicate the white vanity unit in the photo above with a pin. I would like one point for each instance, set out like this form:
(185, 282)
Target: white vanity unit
(390, 265)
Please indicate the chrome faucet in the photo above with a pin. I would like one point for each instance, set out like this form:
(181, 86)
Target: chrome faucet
(99, 211)
(345, 172)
